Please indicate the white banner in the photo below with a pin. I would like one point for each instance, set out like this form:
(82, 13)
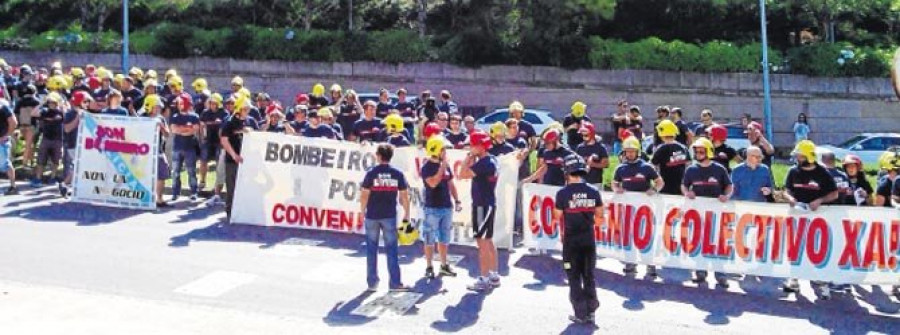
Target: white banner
(841, 244)
(310, 183)
(115, 161)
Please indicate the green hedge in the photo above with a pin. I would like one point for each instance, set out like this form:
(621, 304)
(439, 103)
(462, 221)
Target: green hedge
(468, 49)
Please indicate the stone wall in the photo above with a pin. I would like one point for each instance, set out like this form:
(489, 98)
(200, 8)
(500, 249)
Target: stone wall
(837, 107)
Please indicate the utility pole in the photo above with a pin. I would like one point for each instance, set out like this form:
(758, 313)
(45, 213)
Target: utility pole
(767, 95)
(125, 65)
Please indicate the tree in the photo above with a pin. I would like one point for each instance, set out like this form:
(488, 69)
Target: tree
(306, 11)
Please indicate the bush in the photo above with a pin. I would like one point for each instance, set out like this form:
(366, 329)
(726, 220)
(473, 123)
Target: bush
(141, 42)
(397, 46)
(210, 43)
(839, 60)
(171, 40)
(655, 54)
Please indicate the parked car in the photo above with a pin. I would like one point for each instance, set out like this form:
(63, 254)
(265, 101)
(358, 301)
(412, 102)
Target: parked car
(868, 146)
(538, 118)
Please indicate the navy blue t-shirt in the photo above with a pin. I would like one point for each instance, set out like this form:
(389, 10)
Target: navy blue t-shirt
(398, 141)
(323, 131)
(70, 139)
(525, 166)
(51, 124)
(885, 188)
(181, 142)
(843, 185)
(503, 148)
(438, 196)
(5, 114)
(367, 130)
(213, 120)
(517, 142)
(457, 139)
(526, 130)
(338, 131)
(115, 111)
(298, 126)
(383, 182)
(578, 202)
(276, 128)
(706, 181)
(554, 159)
(485, 181)
(635, 176)
(382, 109)
(598, 152)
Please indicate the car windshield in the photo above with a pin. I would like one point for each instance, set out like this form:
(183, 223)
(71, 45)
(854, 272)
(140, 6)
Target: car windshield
(736, 132)
(848, 143)
(533, 118)
(498, 116)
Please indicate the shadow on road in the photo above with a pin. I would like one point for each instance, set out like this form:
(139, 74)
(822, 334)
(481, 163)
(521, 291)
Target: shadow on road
(340, 314)
(463, 315)
(82, 214)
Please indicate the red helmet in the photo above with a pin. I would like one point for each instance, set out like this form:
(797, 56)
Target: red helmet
(79, 97)
(94, 83)
(624, 134)
(431, 129)
(852, 159)
(587, 128)
(551, 135)
(273, 107)
(301, 98)
(186, 101)
(717, 132)
(480, 138)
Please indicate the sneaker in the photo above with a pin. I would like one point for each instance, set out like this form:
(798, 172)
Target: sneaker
(63, 190)
(215, 200)
(651, 271)
(790, 285)
(372, 289)
(630, 269)
(824, 292)
(722, 282)
(494, 279)
(429, 272)
(12, 190)
(162, 204)
(193, 197)
(401, 288)
(35, 183)
(447, 271)
(481, 284)
(699, 278)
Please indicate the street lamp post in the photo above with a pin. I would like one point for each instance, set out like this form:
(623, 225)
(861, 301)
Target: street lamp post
(767, 98)
(125, 36)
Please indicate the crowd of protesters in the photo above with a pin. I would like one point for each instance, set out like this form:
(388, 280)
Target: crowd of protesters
(42, 107)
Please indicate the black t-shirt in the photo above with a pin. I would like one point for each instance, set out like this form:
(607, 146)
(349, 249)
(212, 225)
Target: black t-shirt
(382, 109)
(886, 190)
(70, 138)
(367, 130)
(596, 152)
(131, 97)
(502, 148)
(858, 182)
(457, 139)
(682, 132)
(671, 159)
(26, 105)
(526, 130)
(706, 181)
(724, 154)
(213, 120)
(5, 115)
(51, 124)
(316, 102)
(573, 139)
(554, 160)
(438, 196)
(578, 202)
(617, 126)
(843, 185)
(807, 186)
(233, 129)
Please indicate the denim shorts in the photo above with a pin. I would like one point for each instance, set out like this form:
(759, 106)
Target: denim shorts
(437, 226)
(5, 154)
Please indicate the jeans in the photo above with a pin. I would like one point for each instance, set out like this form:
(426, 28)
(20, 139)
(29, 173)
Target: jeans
(579, 263)
(6, 154)
(717, 275)
(180, 158)
(374, 230)
(231, 170)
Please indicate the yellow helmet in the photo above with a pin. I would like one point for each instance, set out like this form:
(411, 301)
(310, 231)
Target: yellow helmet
(889, 160)
(516, 106)
(199, 84)
(119, 78)
(217, 98)
(393, 123)
(55, 98)
(434, 146)
(805, 148)
(325, 112)
(77, 72)
(335, 87)
(242, 101)
(498, 128)
(318, 90)
(666, 128)
(136, 71)
(56, 83)
(104, 73)
(3, 63)
(578, 109)
(705, 143)
(150, 83)
(171, 73)
(407, 234)
(177, 82)
(631, 143)
(69, 81)
(151, 74)
(237, 80)
(557, 126)
(151, 101)
(245, 92)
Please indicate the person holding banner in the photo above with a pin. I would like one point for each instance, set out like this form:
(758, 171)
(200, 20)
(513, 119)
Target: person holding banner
(580, 208)
(186, 126)
(114, 101)
(635, 175)
(859, 184)
(670, 158)
(315, 128)
(368, 128)
(708, 179)
(381, 187)
(482, 168)
(550, 160)
(455, 133)
(393, 125)
(51, 146)
(724, 153)
(439, 187)
(327, 116)
(890, 167)
(80, 102)
(153, 106)
(807, 186)
(232, 136)
(573, 121)
(752, 180)
(8, 125)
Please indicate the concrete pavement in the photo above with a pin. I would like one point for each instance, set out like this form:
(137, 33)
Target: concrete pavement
(69, 268)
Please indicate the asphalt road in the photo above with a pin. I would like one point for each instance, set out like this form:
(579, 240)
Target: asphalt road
(69, 268)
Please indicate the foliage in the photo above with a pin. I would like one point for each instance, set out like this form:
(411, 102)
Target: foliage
(840, 60)
(655, 54)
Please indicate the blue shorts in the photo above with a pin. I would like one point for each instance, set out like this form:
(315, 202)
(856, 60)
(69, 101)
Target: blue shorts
(436, 227)
(209, 151)
(5, 148)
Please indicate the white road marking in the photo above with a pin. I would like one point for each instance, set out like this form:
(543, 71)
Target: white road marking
(215, 284)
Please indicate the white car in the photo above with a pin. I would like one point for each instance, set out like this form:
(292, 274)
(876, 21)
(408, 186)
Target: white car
(867, 146)
(538, 118)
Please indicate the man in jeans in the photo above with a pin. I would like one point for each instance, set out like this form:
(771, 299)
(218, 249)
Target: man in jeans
(232, 136)
(186, 126)
(378, 202)
(438, 179)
